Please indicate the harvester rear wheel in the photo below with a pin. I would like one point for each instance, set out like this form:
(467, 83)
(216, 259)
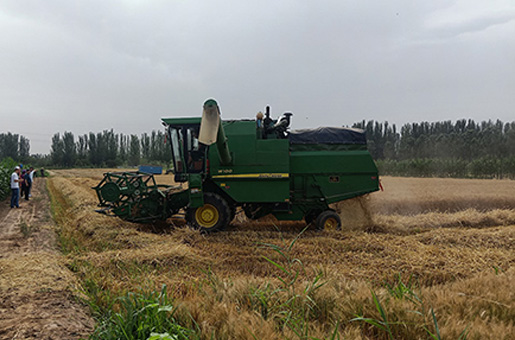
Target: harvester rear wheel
(213, 215)
(328, 220)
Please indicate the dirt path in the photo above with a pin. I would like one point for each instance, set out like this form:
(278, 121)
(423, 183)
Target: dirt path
(36, 300)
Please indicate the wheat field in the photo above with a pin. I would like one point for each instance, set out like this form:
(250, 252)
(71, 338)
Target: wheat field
(436, 256)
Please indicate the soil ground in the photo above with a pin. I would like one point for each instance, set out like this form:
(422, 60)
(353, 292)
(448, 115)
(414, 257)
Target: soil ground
(37, 292)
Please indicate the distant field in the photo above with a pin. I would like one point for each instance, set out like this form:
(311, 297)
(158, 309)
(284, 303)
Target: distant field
(418, 195)
(450, 241)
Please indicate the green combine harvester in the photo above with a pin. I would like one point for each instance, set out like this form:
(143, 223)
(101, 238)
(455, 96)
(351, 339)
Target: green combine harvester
(257, 166)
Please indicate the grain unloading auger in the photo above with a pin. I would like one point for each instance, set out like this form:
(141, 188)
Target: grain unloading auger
(254, 165)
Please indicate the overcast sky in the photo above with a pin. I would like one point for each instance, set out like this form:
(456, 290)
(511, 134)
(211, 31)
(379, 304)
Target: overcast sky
(85, 66)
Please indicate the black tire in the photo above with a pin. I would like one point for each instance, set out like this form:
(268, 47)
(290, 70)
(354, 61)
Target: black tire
(212, 216)
(328, 220)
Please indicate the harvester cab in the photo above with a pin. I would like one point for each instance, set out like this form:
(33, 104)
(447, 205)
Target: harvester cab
(257, 166)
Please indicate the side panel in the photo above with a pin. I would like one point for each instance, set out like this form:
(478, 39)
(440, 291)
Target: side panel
(260, 168)
(319, 161)
(332, 175)
(255, 190)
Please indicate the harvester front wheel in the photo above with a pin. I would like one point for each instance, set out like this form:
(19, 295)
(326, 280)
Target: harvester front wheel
(213, 215)
(328, 220)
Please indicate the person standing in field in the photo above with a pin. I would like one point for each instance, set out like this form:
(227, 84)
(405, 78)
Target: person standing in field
(15, 188)
(30, 180)
(25, 186)
(23, 181)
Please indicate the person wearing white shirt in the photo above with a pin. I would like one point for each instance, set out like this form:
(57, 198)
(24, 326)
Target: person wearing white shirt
(15, 188)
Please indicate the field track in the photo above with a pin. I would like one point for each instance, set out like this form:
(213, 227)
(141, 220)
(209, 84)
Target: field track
(36, 288)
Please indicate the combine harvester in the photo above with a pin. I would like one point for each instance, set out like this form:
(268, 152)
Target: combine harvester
(256, 165)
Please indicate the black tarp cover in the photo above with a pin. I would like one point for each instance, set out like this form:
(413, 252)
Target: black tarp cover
(328, 135)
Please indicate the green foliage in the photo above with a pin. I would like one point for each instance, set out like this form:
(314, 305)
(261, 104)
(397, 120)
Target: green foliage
(134, 151)
(14, 146)
(70, 151)
(436, 335)
(463, 139)
(443, 149)
(401, 290)
(5, 177)
(485, 167)
(162, 336)
(17, 147)
(109, 149)
(57, 150)
(381, 324)
(6, 169)
(498, 270)
(135, 316)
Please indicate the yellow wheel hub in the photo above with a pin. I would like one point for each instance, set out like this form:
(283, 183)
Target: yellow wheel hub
(207, 216)
(331, 224)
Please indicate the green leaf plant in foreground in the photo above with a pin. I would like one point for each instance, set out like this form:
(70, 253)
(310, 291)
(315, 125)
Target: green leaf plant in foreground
(141, 315)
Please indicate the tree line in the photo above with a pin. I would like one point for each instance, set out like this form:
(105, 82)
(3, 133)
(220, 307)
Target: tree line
(109, 149)
(464, 148)
(445, 149)
(14, 146)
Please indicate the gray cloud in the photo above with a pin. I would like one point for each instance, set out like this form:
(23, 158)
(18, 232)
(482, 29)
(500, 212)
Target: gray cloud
(87, 66)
